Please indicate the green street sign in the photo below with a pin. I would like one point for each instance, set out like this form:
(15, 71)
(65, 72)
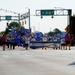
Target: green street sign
(7, 17)
(69, 12)
(47, 12)
(0, 18)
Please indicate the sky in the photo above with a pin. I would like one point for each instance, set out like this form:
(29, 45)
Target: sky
(45, 24)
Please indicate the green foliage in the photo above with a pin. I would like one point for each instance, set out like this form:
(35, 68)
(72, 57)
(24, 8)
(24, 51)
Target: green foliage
(72, 25)
(51, 33)
(14, 25)
(11, 25)
(54, 32)
(2, 32)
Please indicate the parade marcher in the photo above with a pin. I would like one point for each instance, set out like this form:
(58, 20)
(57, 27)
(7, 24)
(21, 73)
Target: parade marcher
(9, 44)
(22, 41)
(44, 39)
(33, 39)
(0, 39)
(4, 42)
(8, 41)
(62, 43)
(13, 42)
(27, 41)
(54, 44)
(68, 41)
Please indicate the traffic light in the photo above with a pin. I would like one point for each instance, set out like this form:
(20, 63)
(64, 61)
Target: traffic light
(22, 23)
(25, 22)
(7, 23)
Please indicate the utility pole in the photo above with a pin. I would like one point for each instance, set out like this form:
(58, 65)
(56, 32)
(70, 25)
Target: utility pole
(29, 17)
(19, 20)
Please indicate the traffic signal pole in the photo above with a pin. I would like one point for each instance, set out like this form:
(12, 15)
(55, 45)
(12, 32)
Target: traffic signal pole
(19, 20)
(29, 17)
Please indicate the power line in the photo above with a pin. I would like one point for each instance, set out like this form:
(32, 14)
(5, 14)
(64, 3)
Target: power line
(8, 11)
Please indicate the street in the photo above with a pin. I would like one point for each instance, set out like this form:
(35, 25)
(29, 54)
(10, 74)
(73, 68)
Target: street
(37, 62)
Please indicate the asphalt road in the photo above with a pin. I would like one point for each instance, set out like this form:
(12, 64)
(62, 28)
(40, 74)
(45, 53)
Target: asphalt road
(37, 62)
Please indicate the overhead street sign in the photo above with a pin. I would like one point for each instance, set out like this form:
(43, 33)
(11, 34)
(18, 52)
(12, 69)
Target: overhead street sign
(8, 17)
(69, 12)
(0, 18)
(47, 12)
(3, 18)
(54, 12)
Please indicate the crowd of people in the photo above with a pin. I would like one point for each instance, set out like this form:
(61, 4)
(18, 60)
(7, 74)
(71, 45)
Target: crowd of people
(66, 41)
(10, 42)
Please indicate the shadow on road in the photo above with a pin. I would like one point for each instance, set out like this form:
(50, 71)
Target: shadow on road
(72, 63)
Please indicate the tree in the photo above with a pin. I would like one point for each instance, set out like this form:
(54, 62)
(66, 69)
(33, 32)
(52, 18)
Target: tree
(51, 33)
(56, 31)
(16, 27)
(11, 25)
(72, 26)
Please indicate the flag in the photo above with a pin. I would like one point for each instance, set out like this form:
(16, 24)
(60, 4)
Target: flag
(13, 32)
(38, 36)
(27, 31)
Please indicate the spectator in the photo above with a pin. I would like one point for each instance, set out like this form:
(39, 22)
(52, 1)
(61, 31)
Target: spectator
(3, 42)
(68, 41)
